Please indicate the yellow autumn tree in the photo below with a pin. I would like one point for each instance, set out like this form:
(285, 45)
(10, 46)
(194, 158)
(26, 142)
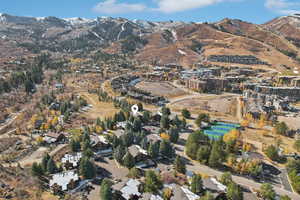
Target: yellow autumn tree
(245, 123)
(249, 117)
(231, 161)
(54, 121)
(98, 129)
(262, 121)
(52, 112)
(231, 136)
(165, 136)
(247, 147)
(39, 140)
(167, 193)
(33, 120)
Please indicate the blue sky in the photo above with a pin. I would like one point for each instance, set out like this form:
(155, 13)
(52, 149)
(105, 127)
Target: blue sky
(256, 11)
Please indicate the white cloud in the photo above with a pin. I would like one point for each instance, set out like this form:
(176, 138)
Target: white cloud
(285, 7)
(165, 6)
(171, 6)
(114, 7)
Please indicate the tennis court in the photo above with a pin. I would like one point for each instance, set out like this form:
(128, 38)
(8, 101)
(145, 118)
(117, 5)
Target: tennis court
(219, 129)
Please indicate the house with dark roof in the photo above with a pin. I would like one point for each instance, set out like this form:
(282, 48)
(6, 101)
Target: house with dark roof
(55, 138)
(100, 145)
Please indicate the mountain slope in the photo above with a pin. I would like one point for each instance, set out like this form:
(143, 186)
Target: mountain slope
(274, 45)
(196, 43)
(288, 27)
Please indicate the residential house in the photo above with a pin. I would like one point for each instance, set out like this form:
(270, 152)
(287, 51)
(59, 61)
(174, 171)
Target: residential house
(152, 129)
(182, 193)
(119, 132)
(153, 138)
(101, 145)
(138, 153)
(71, 161)
(214, 186)
(121, 125)
(149, 196)
(55, 138)
(129, 189)
(64, 181)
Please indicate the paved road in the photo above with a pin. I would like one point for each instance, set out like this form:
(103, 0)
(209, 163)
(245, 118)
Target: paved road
(11, 120)
(285, 180)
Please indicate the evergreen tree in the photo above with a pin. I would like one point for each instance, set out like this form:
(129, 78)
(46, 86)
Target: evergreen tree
(115, 141)
(127, 139)
(51, 166)
(217, 155)
(202, 118)
(134, 173)
(152, 182)
(174, 135)
(234, 192)
(183, 123)
(29, 86)
(267, 192)
(197, 184)
(166, 149)
(144, 143)
(85, 145)
(137, 125)
(98, 121)
(146, 116)
(186, 113)
(36, 169)
(207, 196)
(44, 163)
(179, 165)
(153, 150)
(226, 178)
(272, 153)
(88, 153)
(119, 153)
(122, 116)
(177, 122)
(285, 197)
(203, 154)
(86, 168)
(75, 145)
(128, 161)
(165, 111)
(140, 106)
(165, 122)
(193, 142)
(281, 128)
(106, 190)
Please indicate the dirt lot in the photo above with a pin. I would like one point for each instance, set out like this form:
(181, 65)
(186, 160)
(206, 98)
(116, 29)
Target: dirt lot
(164, 89)
(292, 122)
(99, 109)
(216, 105)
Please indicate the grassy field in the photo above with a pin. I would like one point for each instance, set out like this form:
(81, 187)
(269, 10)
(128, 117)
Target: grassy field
(99, 109)
(267, 137)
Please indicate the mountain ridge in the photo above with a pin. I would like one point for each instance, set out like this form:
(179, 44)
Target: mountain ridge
(276, 42)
